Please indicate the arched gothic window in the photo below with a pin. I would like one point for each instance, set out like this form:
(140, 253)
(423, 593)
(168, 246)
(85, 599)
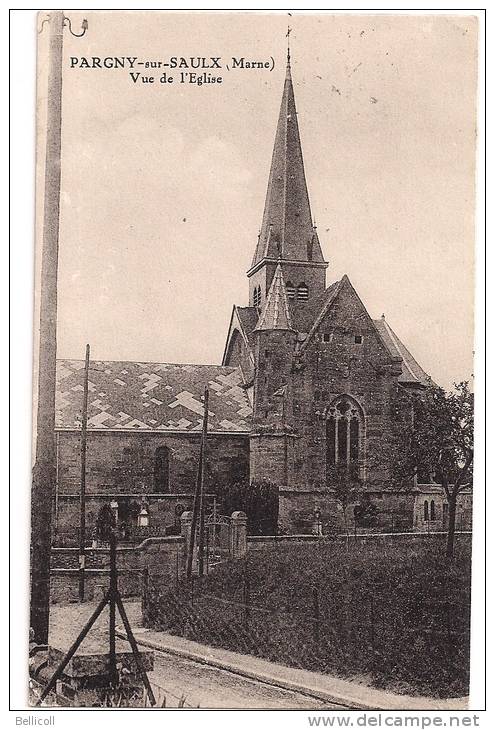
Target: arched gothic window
(344, 431)
(303, 292)
(161, 470)
(426, 511)
(291, 290)
(432, 510)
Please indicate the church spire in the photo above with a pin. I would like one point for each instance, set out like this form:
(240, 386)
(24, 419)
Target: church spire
(287, 231)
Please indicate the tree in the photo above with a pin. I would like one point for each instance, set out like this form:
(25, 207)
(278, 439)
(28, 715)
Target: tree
(365, 512)
(436, 438)
(346, 483)
(259, 500)
(105, 523)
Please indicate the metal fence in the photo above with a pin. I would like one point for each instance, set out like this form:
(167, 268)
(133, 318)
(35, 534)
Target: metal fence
(424, 647)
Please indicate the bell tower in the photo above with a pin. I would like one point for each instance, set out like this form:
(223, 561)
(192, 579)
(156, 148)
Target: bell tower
(288, 236)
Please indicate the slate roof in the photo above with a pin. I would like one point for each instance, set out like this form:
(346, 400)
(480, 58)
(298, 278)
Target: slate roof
(161, 397)
(248, 317)
(412, 372)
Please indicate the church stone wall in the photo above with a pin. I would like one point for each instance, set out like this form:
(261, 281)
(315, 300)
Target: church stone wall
(119, 464)
(333, 365)
(271, 457)
(364, 371)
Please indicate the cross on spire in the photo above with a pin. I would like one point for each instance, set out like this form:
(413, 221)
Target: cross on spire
(287, 35)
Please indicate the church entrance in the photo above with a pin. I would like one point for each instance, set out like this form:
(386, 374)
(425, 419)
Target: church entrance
(218, 547)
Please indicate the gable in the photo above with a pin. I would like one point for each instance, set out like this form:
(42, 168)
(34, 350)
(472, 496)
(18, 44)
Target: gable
(344, 321)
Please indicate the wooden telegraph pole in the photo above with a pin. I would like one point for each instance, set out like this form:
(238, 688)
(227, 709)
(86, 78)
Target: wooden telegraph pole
(82, 524)
(198, 507)
(43, 484)
(201, 538)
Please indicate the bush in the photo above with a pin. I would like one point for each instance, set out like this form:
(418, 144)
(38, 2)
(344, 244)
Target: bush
(259, 500)
(394, 612)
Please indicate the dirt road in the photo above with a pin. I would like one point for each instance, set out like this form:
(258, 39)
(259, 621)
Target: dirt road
(177, 681)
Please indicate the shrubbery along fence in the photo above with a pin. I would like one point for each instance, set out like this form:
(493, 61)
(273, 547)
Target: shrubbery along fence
(384, 625)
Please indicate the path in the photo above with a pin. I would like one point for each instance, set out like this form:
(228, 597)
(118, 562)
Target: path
(175, 677)
(190, 674)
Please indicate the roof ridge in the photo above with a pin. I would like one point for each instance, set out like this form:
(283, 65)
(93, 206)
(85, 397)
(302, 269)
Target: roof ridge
(405, 353)
(150, 362)
(331, 293)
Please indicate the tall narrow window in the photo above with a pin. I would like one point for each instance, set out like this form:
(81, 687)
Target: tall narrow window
(290, 289)
(432, 510)
(161, 471)
(303, 292)
(354, 439)
(426, 514)
(343, 432)
(331, 440)
(257, 296)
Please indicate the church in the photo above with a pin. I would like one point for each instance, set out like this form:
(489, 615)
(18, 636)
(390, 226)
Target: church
(306, 384)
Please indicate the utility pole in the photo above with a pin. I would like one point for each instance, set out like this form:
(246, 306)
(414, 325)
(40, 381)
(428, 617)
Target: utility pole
(201, 540)
(82, 524)
(194, 522)
(198, 506)
(43, 484)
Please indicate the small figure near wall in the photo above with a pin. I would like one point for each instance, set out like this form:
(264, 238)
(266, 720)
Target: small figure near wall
(317, 526)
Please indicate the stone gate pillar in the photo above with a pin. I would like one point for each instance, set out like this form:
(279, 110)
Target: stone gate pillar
(185, 531)
(238, 535)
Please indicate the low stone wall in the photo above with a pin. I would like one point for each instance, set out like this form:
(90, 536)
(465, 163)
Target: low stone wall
(163, 558)
(64, 584)
(257, 542)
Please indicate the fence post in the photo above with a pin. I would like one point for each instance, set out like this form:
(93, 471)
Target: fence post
(112, 603)
(316, 614)
(145, 586)
(372, 625)
(246, 601)
(238, 534)
(185, 531)
(449, 627)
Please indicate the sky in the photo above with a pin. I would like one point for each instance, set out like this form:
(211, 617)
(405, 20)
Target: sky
(163, 185)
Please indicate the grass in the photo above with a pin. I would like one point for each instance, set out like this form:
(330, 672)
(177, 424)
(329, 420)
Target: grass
(393, 615)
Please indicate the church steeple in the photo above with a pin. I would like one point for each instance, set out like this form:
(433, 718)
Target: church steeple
(288, 236)
(287, 230)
